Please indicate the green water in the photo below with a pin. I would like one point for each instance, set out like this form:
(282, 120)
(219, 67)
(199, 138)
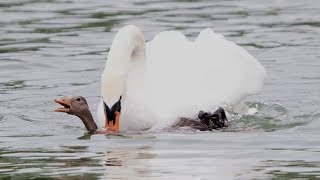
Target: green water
(56, 48)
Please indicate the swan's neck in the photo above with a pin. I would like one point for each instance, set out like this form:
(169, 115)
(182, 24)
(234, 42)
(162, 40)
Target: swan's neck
(127, 54)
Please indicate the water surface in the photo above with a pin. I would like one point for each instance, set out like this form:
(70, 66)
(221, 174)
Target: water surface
(53, 48)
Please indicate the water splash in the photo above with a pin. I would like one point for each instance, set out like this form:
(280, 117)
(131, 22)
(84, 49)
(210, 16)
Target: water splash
(268, 117)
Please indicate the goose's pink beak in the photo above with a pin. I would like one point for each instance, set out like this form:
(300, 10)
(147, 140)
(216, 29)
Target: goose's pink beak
(65, 102)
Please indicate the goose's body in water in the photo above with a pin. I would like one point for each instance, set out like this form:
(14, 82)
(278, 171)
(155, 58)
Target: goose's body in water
(156, 83)
(78, 106)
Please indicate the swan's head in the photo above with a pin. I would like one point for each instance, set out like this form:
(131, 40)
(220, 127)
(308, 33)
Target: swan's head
(112, 89)
(112, 115)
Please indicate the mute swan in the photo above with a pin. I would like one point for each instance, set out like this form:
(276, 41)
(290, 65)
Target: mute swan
(78, 106)
(155, 83)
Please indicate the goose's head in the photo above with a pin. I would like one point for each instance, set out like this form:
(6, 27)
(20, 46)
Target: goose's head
(73, 105)
(127, 54)
(78, 106)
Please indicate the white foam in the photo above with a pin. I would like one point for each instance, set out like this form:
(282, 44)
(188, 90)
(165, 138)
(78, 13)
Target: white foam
(252, 111)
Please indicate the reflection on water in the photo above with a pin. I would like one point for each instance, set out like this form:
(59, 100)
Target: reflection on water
(290, 169)
(128, 164)
(75, 160)
(202, 155)
(42, 163)
(52, 48)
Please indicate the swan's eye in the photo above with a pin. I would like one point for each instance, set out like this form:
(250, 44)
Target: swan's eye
(78, 99)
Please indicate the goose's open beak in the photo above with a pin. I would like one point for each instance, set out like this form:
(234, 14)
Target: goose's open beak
(65, 102)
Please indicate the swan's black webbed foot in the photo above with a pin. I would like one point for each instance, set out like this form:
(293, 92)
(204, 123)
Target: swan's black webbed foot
(215, 120)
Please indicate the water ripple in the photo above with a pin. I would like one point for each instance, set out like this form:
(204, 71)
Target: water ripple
(52, 48)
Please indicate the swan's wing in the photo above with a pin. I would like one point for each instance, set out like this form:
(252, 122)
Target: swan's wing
(169, 76)
(237, 74)
(186, 76)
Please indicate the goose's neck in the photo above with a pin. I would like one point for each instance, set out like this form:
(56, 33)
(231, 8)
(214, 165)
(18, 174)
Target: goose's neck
(87, 119)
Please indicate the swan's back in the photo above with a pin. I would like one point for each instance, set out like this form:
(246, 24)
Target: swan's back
(185, 76)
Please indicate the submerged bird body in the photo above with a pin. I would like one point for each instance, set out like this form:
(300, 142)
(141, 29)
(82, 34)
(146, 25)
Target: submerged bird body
(78, 106)
(171, 77)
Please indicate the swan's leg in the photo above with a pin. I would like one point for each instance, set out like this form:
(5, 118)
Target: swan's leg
(205, 117)
(219, 118)
(215, 120)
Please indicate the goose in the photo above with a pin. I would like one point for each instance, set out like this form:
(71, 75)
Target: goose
(155, 83)
(78, 106)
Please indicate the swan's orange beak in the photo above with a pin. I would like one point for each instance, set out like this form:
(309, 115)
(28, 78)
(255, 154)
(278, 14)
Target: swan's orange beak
(112, 116)
(113, 125)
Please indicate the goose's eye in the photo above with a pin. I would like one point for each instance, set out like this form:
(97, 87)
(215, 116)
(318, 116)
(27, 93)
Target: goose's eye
(78, 99)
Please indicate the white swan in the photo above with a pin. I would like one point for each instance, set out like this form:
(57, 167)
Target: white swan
(171, 77)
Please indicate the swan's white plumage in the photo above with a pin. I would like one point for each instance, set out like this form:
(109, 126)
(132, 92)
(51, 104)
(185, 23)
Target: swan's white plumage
(181, 77)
